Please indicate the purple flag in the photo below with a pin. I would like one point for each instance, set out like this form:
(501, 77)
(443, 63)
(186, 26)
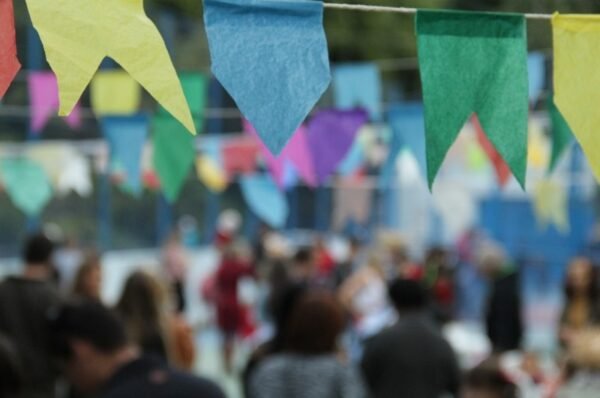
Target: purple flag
(330, 137)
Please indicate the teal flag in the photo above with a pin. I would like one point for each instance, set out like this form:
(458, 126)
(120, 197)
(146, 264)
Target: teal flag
(474, 63)
(26, 184)
(195, 88)
(561, 134)
(174, 154)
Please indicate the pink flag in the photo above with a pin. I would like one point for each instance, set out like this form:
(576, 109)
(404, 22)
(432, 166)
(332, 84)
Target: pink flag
(296, 152)
(43, 96)
(239, 157)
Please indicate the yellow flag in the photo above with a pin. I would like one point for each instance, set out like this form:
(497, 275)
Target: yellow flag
(78, 34)
(115, 93)
(550, 203)
(538, 155)
(210, 174)
(577, 79)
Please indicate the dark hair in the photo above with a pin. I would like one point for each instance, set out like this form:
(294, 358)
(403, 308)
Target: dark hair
(85, 320)
(408, 295)
(281, 306)
(489, 377)
(303, 255)
(315, 324)
(11, 369)
(38, 249)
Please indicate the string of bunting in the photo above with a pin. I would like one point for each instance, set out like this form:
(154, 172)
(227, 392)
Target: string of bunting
(479, 60)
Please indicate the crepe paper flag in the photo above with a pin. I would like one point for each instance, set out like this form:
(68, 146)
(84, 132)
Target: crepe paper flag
(577, 78)
(536, 67)
(550, 205)
(500, 167)
(474, 63)
(476, 157)
(296, 154)
(9, 64)
(265, 199)
(75, 177)
(174, 155)
(115, 92)
(195, 88)
(26, 184)
(239, 157)
(561, 134)
(77, 35)
(43, 96)
(126, 136)
(53, 157)
(271, 56)
(352, 202)
(211, 174)
(538, 148)
(330, 136)
(358, 85)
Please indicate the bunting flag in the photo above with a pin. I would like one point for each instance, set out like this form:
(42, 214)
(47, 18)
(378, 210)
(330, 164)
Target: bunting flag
(408, 131)
(538, 148)
(43, 95)
(358, 85)
(75, 177)
(330, 137)
(195, 87)
(126, 136)
(210, 174)
(9, 64)
(239, 157)
(577, 78)
(500, 167)
(265, 199)
(561, 134)
(52, 157)
(352, 202)
(78, 34)
(174, 155)
(474, 63)
(296, 154)
(285, 63)
(115, 92)
(550, 205)
(536, 70)
(26, 185)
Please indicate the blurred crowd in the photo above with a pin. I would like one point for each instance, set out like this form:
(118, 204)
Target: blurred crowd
(373, 322)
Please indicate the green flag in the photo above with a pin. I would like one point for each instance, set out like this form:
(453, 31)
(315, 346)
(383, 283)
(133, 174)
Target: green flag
(26, 184)
(195, 87)
(474, 62)
(561, 134)
(174, 154)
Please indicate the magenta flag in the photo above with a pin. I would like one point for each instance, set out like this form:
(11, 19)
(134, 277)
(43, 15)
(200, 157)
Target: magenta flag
(43, 97)
(331, 134)
(296, 152)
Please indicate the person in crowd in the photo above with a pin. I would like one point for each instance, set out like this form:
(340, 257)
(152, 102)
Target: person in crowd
(92, 343)
(11, 370)
(364, 294)
(504, 322)
(67, 259)
(175, 264)
(88, 280)
(281, 305)
(309, 366)
(231, 314)
(24, 301)
(304, 268)
(411, 358)
(346, 268)
(152, 324)
(487, 380)
(582, 308)
(439, 278)
(324, 261)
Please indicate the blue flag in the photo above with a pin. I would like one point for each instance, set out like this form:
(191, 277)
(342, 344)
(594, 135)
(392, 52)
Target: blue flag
(358, 85)
(126, 136)
(265, 199)
(271, 56)
(536, 68)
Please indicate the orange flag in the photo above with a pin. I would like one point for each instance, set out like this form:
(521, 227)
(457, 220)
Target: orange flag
(9, 64)
(500, 167)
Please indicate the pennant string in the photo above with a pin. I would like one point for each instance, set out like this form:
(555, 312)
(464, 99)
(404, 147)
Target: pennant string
(404, 10)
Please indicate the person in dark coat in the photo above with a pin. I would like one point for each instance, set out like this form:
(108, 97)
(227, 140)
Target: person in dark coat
(411, 358)
(504, 322)
(92, 343)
